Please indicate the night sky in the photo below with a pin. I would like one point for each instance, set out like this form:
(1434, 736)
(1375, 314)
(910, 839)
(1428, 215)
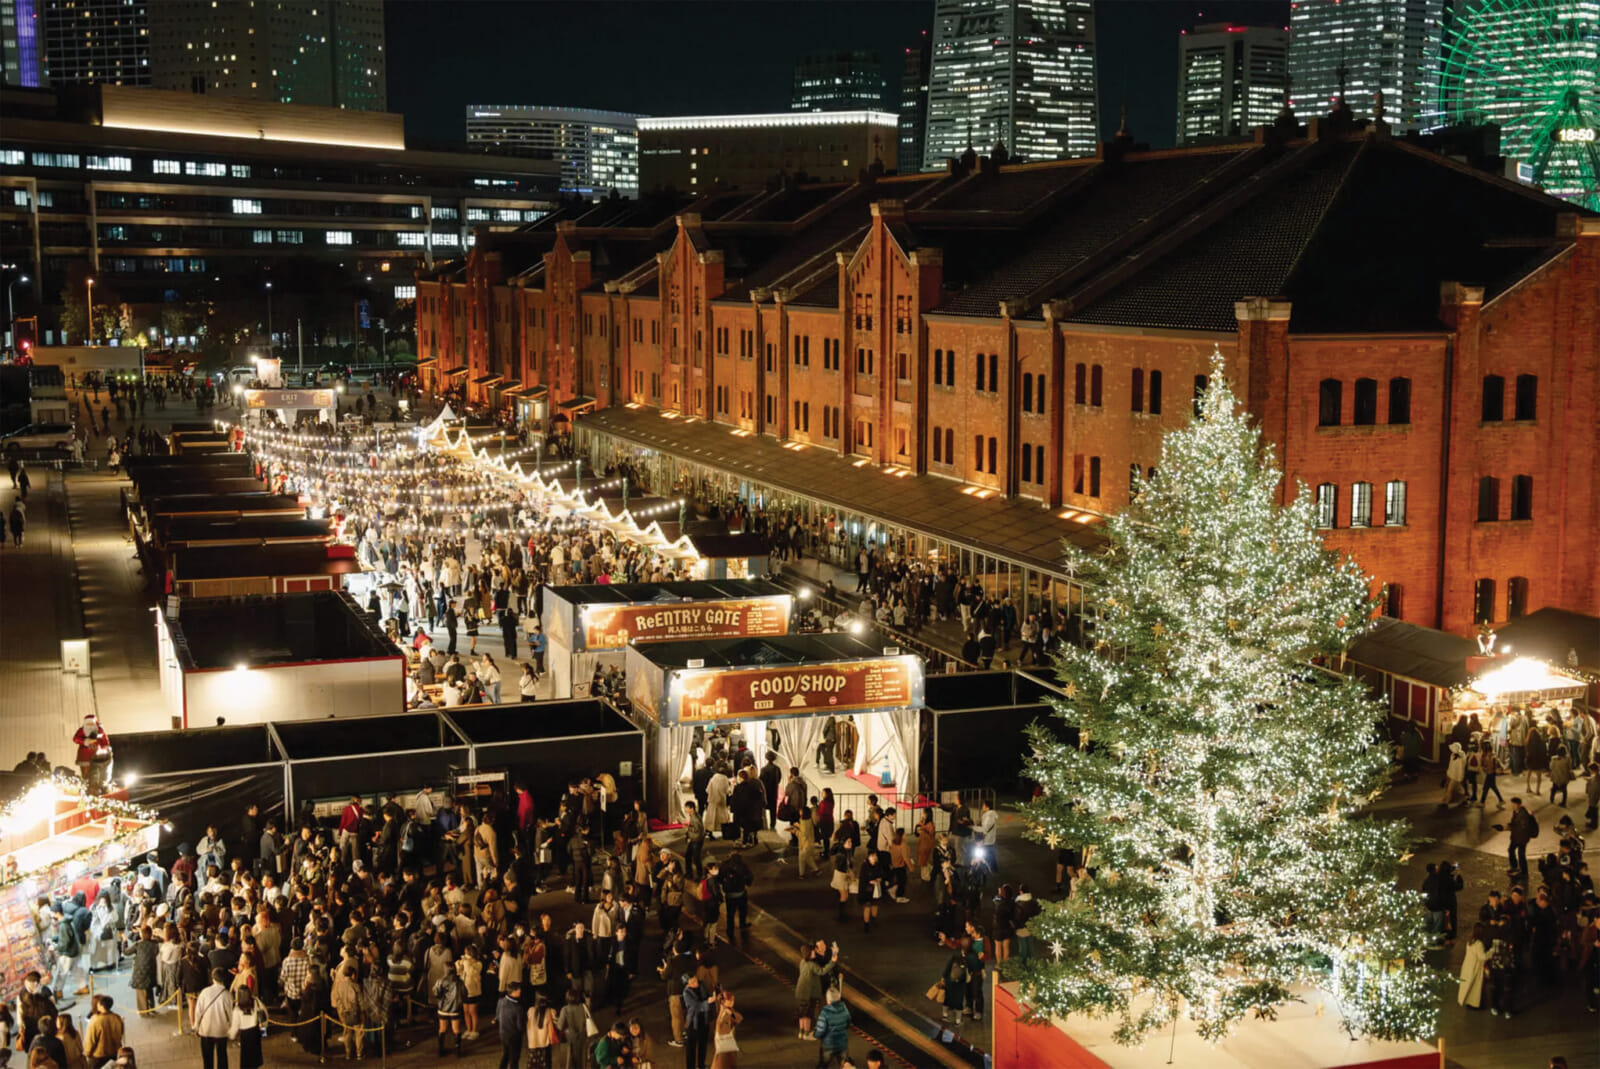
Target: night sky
(675, 57)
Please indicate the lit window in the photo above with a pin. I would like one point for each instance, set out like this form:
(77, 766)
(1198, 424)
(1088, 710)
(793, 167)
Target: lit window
(446, 239)
(405, 293)
(1327, 504)
(55, 159)
(246, 206)
(289, 237)
(413, 237)
(261, 237)
(1394, 504)
(340, 237)
(12, 157)
(240, 170)
(1360, 504)
(109, 163)
(166, 166)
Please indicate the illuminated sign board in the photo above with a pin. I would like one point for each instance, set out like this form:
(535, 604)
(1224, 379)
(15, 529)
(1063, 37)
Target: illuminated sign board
(295, 399)
(609, 627)
(701, 695)
(1578, 135)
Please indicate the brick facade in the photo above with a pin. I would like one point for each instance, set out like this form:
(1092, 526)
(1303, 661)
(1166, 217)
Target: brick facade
(853, 348)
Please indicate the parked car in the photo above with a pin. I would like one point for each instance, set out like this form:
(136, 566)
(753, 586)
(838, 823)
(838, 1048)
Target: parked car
(37, 436)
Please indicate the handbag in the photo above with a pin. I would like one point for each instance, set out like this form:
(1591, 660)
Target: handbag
(936, 993)
(726, 1044)
(589, 1028)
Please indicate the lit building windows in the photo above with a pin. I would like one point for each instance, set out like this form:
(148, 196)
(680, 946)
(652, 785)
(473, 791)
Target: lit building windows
(246, 206)
(166, 167)
(340, 237)
(109, 163)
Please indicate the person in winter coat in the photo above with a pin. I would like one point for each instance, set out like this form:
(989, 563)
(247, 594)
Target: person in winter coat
(346, 999)
(1560, 774)
(718, 790)
(963, 968)
(1591, 796)
(833, 1031)
(449, 997)
(143, 978)
(1455, 776)
(543, 1035)
(510, 1023)
(1536, 759)
(571, 1026)
(818, 966)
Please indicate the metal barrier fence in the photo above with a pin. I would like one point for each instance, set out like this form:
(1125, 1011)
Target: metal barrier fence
(935, 657)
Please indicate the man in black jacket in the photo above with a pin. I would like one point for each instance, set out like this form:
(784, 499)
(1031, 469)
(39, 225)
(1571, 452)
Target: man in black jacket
(735, 879)
(772, 784)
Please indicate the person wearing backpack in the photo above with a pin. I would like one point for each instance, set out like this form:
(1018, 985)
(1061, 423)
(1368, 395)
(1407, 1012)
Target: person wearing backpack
(959, 971)
(832, 1031)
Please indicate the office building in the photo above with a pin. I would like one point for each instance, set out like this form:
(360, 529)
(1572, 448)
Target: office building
(171, 197)
(914, 102)
(1231, 79)
(972, 365)
(838, 81)
(1356, 51)
(598, 151)
(1014, 72)
(323, 53)
(698, 152)
(21, 43)
(98, 41)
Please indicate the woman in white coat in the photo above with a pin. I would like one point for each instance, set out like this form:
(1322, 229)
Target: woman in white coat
(1470, 991)
(717, 812)
(1455, 776)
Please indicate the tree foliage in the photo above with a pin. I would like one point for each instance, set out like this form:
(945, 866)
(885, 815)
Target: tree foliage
(1222, 780)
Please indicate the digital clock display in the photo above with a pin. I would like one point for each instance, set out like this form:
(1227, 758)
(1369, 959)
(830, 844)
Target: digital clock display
(1578, 135)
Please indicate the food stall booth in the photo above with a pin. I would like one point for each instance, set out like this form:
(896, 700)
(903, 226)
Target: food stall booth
(53, 833)
(590, 625)
(1510, 682)
(703, 702)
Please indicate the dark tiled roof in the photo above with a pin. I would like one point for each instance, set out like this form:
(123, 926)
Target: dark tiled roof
(1420, 653)
(1248, 252)
(1011, 189)
(823, 294)
(1115, 198)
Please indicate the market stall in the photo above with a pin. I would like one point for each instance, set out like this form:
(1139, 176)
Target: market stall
(275, 657)
(52, 833)
(590, 626)
(701, 702)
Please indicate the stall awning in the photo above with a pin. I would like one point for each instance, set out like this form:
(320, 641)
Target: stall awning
(1525, 679)
(484, 380)
(453, 372)
(511, 387)
(428, 362)
(577, 406)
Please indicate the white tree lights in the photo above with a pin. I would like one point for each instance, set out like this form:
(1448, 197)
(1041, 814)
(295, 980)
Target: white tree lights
(1221, 785)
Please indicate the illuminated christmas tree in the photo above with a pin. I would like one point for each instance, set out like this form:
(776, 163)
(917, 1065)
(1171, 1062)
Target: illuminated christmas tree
(1222, 785)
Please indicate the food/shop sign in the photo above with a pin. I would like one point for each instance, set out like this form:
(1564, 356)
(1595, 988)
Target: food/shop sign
(610, 627)
(699, 695)
(288, 399)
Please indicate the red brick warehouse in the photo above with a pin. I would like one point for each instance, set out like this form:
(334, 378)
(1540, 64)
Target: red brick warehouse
(1417, 338)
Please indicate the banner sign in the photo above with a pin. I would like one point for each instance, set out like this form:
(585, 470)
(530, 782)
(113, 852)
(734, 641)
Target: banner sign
(295, 399)
(609, 627)
(699, 695)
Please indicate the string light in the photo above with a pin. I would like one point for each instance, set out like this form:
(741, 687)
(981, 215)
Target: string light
(1223, 803)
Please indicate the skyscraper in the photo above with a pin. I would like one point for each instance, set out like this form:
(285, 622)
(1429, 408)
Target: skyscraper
(914, 102)
(21, 43)
(1357, 50)
(838, 81)
(104, 41)
(327, 53)
(1021, 72)
(598, 150)
(1230, 80)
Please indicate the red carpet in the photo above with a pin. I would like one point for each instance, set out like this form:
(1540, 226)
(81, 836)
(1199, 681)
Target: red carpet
(887, 796)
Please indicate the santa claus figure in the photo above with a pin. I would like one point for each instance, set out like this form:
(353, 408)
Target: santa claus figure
(94, 753)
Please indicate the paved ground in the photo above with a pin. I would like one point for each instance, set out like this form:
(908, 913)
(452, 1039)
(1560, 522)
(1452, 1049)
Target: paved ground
(888, 970)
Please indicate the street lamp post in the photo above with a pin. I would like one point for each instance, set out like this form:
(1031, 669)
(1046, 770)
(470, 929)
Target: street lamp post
(269, 319)
(88, 289)
(11, 312)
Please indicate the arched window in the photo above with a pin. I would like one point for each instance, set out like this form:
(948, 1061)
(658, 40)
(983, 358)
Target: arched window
(1399, 400)
(1393, 600)
(1155, 393)
(1330, 403)
(1483, 601)
(1527, 397)
(1364, 412)
(1327, 505)
(1522, 497)
(938, 446)
(1027, 393)
(1516, 597)
(1488, 499)
(1080, 388)
(1137, 390)
(1494, 398)
(1096, 381)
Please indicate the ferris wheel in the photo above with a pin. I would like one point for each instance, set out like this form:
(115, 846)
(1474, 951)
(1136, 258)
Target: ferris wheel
(1533, 68)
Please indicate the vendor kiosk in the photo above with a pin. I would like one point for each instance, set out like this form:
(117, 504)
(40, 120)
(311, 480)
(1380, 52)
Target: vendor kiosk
(53, 832)
(592, 625)
(699, 700)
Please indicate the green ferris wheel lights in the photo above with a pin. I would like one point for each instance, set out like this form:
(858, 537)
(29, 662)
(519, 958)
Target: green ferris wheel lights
(1533, 68)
